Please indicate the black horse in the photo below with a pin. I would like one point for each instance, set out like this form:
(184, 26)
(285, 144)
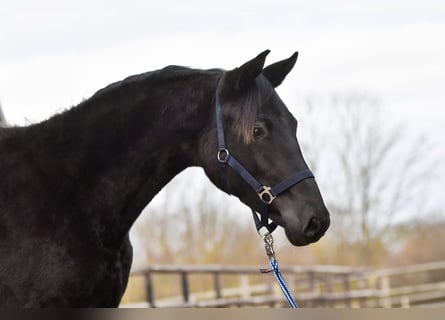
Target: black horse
(72, 186)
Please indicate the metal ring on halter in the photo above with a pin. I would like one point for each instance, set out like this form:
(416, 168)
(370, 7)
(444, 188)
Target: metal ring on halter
(266, 195)
(223, 155)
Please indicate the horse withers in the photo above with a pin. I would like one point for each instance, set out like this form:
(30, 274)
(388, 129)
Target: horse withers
(72, 186)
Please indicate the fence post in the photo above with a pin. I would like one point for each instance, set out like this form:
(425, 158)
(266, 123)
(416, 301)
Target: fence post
(312, 289)
(328, 284)
(270, 290)
(362, 284)
(149, 290)
(404, 302)
(185, 286)
(347, 289)
(385, 292)
(217, 284)
(245, 288)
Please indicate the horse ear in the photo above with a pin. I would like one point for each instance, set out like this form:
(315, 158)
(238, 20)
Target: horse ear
(276, 72)
(242, 78)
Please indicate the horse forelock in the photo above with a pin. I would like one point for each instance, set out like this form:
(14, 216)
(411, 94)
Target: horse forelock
(252, 102)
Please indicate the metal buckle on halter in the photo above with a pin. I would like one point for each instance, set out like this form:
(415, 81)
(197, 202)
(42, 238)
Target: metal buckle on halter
(266, 195)
(223, 155)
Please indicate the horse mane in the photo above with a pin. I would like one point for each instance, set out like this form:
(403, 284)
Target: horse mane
(2, 118)
(165, 74)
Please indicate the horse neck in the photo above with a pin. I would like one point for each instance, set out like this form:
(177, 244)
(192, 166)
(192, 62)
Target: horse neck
(119, 148)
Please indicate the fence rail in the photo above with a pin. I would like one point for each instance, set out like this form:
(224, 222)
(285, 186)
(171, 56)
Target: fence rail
(313, 286)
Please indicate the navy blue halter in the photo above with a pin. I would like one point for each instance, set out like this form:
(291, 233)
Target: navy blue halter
(265, 193)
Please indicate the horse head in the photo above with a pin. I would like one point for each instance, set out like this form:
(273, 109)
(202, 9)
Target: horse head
(260, 132)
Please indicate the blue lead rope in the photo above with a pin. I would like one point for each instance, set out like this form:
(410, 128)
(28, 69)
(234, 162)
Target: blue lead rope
(282, 283)
(268, 244)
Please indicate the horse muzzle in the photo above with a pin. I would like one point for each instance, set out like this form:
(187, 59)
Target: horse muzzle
(305, 229)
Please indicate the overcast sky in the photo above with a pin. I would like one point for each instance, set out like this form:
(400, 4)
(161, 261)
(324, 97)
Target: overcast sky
(53, 54)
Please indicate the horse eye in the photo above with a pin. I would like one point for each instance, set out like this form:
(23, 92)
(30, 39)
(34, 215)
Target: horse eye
(258, 133)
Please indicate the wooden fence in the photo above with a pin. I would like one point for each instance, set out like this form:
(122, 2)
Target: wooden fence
(312, 286)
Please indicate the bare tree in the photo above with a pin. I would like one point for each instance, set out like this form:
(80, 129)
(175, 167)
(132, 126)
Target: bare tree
(371, 171)
(193, 222)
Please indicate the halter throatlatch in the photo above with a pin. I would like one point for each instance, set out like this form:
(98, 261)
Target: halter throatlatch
(267, 194)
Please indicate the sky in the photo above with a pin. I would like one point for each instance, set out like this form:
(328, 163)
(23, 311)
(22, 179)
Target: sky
(54, 54)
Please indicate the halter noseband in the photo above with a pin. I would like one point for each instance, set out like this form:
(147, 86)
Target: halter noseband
(265, 193)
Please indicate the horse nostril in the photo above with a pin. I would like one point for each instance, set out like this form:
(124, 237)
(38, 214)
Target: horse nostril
(312, 228)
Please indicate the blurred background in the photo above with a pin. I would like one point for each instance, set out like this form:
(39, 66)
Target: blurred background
(367, 90)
